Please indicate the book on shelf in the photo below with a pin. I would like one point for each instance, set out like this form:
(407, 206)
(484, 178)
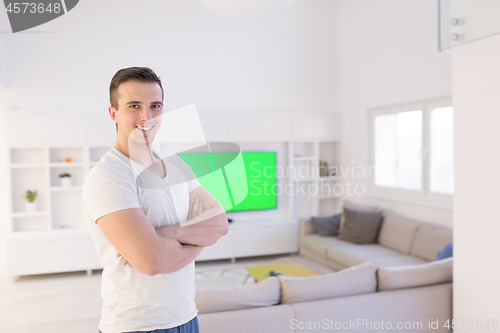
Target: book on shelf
(323, 169)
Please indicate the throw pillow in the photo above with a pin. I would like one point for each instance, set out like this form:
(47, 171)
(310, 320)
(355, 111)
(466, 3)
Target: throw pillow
(430, 239)
(327, 225)
(447, 252)
(392, 278)
(398, 233)
(356, 280)
(217, 299)
(354, 205)
(361, 226)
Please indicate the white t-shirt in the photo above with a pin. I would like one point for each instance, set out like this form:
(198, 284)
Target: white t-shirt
(134, 301)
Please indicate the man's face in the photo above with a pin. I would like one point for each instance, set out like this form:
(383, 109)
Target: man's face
(140, 109)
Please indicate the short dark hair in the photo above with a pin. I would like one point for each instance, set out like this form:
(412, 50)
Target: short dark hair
(141, 74)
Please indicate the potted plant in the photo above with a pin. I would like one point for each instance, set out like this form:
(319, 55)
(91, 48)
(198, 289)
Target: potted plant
(31, 205)
(66, 179)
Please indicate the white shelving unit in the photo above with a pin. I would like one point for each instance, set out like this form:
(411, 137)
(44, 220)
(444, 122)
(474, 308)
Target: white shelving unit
(55, 238)
(58, 221)
(315, 195)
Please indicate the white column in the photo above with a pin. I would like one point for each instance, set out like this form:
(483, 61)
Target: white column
(476, 99)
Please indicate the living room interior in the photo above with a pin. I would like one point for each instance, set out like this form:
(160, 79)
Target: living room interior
(308, 84)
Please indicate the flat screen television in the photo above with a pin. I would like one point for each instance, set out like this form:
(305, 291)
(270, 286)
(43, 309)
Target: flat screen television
(261, 182)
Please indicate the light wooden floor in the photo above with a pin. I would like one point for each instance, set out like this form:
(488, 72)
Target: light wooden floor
(71, 302)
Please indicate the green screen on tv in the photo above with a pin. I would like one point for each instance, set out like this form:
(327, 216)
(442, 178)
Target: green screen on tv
(235, 193)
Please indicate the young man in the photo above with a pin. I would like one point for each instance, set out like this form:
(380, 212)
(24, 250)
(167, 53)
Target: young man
(149, 217)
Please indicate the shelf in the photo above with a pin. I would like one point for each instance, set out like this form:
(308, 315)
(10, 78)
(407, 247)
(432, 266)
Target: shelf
(329, 178)
(27, 166)
(63, 189)
(329, 197)
(313, 179)
(61, 154)
(304, 158)
(63, 233)
(65, 164)
(77, 175)
(27, 214)
(239, 222)
(305, 180)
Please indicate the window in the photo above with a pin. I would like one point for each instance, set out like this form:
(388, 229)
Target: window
(412, 152)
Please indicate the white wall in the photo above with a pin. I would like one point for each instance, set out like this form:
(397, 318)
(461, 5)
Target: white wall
(476, 88)
(387, 54)
(4, 27)
(4, 199)
(3, 155)
(281, 62)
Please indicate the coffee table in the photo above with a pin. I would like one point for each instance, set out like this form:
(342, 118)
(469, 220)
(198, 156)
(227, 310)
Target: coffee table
(288, 269)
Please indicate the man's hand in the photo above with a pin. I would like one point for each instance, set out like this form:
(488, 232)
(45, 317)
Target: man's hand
(195, 208)
(124, 261)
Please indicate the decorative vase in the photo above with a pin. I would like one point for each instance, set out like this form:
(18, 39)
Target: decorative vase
(66, 181)
(31, 207)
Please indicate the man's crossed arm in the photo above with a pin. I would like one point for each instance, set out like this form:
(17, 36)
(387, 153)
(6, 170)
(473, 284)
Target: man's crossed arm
(171, 248)
(206, 221)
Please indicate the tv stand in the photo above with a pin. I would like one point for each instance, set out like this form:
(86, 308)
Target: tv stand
(254, 237)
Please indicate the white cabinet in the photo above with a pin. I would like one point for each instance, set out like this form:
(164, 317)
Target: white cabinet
(223, 249)
(42, 128)
(265, 238)
(248, 238)
(263, 127)
(214, 126)
(33, 256)
(324, 127)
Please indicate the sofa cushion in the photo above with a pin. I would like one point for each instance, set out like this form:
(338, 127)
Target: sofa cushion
(430, 240)
(398, 233)
(326, 225)
(397, 261)
(416, 305)
(354, 205)
(361, 227)
(374, 253)
(320, 244)
(355, 280)
(269, 319)
(343, 256)
(216, 299)
(391, 278)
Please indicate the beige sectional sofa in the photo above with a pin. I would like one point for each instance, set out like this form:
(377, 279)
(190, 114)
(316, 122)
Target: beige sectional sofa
(394, 282)
(401, 242)
(363, 298)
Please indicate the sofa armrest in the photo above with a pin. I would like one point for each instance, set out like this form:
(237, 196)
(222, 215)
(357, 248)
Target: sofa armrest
(305, 228)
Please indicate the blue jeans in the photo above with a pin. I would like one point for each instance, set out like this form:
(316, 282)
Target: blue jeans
(189, 327)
